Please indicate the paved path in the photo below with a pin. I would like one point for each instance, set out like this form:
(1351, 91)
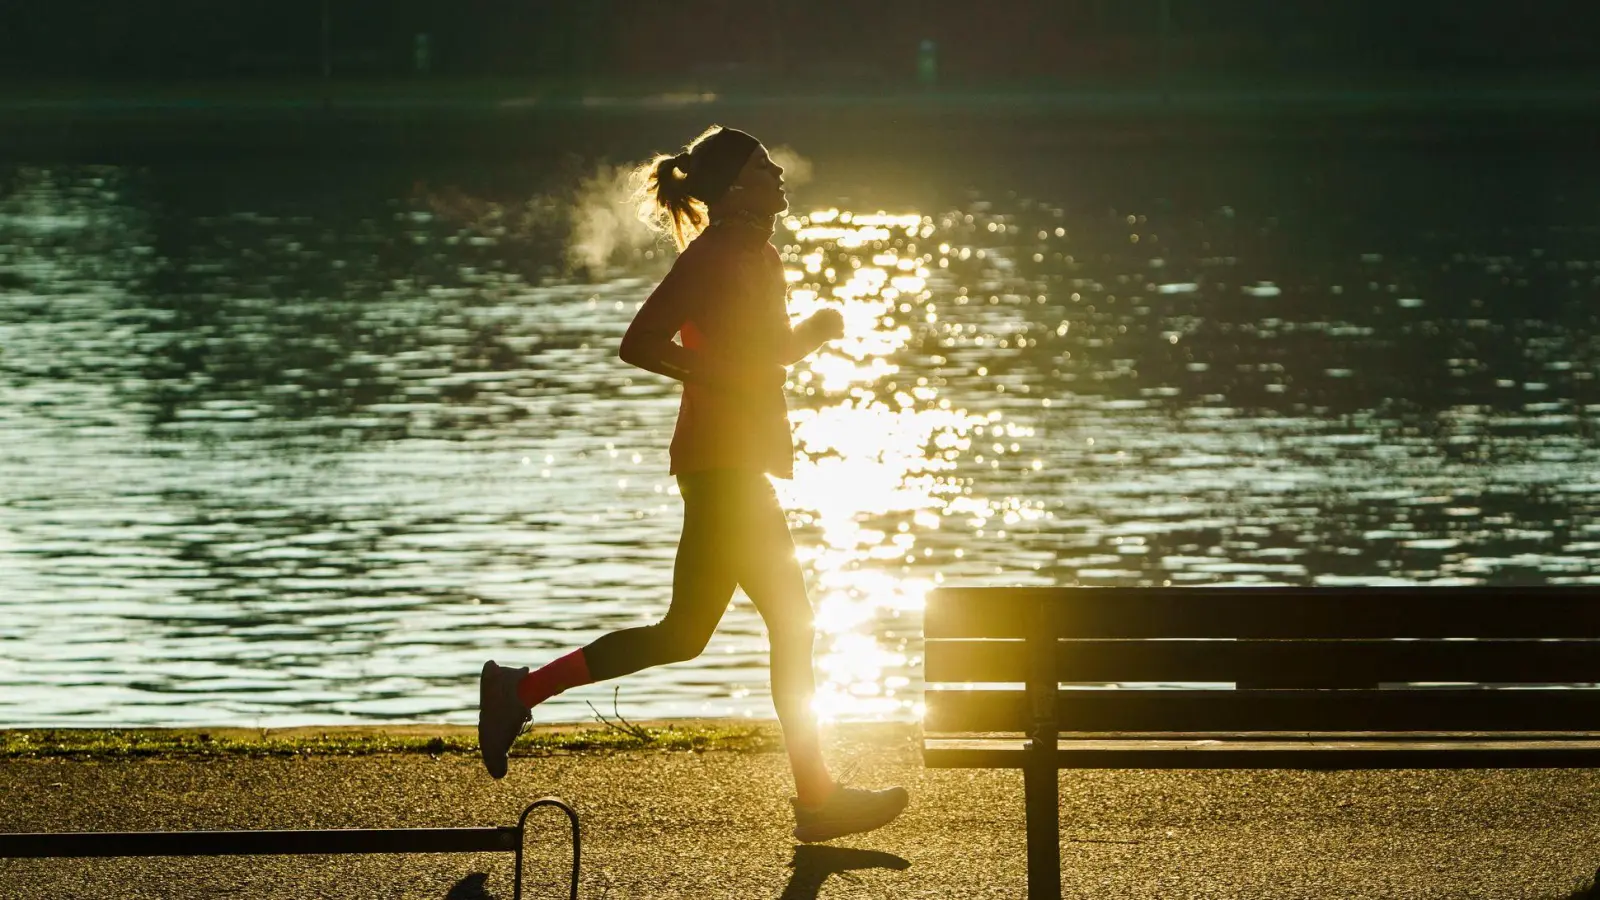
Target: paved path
(715, 825)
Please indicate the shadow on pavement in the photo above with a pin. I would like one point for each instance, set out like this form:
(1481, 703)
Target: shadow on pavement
(812, 866)
(470, 888)
(1589, 891)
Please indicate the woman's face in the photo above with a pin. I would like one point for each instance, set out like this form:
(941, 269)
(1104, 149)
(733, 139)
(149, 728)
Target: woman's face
(759, 187)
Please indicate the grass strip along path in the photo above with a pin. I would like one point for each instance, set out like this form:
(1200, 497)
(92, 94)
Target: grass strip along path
(203, 743)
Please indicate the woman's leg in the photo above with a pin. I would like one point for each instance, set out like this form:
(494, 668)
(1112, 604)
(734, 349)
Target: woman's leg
(703, 579)
(771, 578)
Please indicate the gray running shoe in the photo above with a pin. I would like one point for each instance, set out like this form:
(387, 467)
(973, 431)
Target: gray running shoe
(501, 716)
(848, 811)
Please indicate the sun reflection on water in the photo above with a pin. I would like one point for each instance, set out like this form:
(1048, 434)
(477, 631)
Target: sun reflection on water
(874, 458)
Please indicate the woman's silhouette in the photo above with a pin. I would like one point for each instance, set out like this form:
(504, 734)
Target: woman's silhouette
(726, 295)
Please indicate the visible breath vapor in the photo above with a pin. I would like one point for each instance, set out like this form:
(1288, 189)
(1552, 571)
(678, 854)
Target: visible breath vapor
(597, 222)
(606, 228)
(605, 221)
(796, 168)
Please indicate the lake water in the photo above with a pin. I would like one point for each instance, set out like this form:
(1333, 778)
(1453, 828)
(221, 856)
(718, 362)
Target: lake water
(305, 442)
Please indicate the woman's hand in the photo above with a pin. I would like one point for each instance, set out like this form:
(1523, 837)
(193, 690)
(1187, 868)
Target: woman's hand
(827, 324)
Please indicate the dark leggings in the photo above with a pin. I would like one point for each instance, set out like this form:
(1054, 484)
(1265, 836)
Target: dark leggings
(734, 534)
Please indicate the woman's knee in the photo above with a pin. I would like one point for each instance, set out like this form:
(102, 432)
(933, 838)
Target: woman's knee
(678, 643)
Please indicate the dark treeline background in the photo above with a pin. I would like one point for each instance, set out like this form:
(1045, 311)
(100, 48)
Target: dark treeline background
(770, 39)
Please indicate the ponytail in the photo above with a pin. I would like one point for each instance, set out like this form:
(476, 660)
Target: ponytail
(667, 200)
(667, 205)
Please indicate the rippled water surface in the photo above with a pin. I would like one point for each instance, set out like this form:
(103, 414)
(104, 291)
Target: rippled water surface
(287, 444)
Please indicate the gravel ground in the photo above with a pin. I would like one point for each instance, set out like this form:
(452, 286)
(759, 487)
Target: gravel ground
(716, 825)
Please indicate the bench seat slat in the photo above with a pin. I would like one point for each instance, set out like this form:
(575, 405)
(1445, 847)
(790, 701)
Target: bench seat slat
(1269, 612)
(1272, 710)
(1250, 753)
(1498, 661)
(258, 843)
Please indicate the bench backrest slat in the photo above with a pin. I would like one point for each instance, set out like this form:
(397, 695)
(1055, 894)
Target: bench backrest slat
(1304, 661)
(1300, 659)
(1269, 612)
(1271, 710)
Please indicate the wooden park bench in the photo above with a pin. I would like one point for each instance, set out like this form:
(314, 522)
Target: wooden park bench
(1305, 678)
(292, 842)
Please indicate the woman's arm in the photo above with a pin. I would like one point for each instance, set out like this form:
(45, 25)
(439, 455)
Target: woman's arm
(802, 343)
(815, 330)
(648, 342)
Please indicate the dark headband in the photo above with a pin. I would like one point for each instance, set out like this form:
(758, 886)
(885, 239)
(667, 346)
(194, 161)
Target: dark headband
(716, 162)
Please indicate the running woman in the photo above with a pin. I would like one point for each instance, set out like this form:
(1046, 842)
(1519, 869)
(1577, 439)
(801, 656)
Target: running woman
(726, 295)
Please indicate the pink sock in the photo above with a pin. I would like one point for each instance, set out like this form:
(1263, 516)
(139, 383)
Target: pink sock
(564, 672)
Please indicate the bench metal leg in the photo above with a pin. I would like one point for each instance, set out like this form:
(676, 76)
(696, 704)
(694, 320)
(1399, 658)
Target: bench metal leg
(522, 823)
(1040, 786)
